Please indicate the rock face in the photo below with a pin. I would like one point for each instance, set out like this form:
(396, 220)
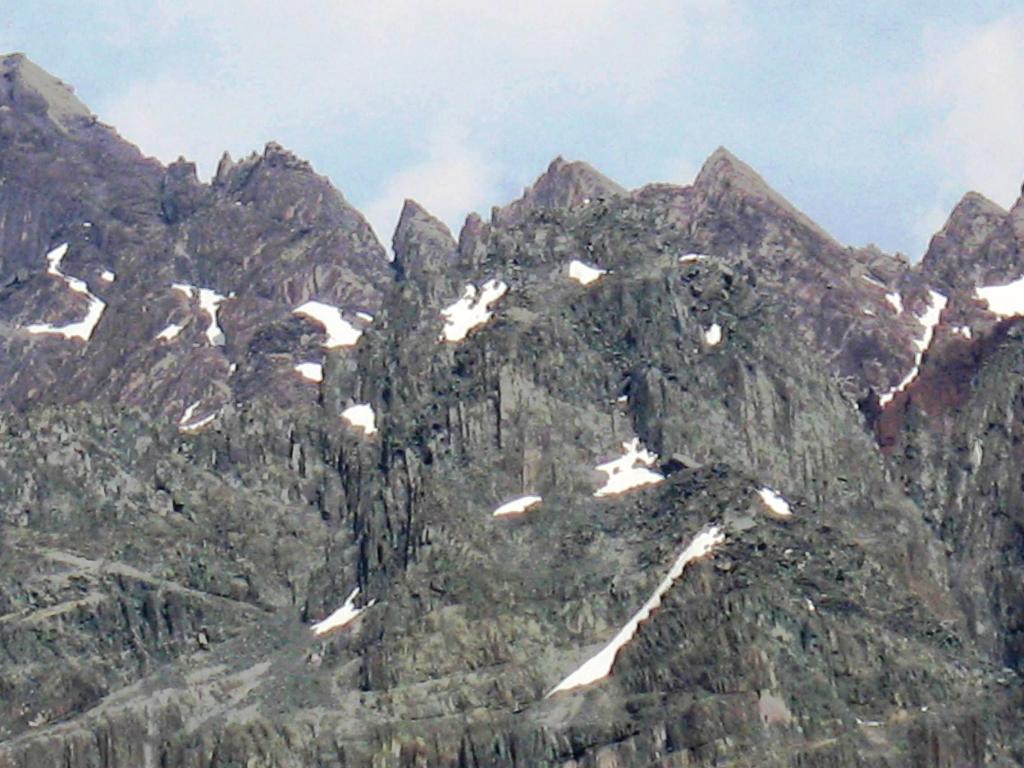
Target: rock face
(743, 496)
(267, 235)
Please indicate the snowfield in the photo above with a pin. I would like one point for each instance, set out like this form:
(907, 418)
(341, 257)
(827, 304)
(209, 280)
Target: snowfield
(930, 319)
(629, 471)
(517, 506)
(343, 616)
(599, 666)
(85, 327)
(1004, 300)
(340, 332)
(471, 311)
(362, 417)
(584, 274)
(209, 302)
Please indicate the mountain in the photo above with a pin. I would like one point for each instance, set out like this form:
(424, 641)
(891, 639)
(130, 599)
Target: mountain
(265, 237)
(662, 477)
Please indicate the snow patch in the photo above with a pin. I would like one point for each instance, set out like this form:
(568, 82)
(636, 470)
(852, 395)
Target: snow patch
(470, 311)
(84, 328)
(775, 502)
(629, 471)
(361, 416)
(195, 426)
(517, 506)
(896, 301)
(963, 330)
(54, 258)
(1004, 300)
(873, 281)
(311, 371)
(599, 666)
(584, 274)
(188, 412)
(343, 616)
(930, 318)
(713, 335)
(170, 332)
(209, 302)
(690, 258)
(185, 423)
(365, 316)
(340, 332)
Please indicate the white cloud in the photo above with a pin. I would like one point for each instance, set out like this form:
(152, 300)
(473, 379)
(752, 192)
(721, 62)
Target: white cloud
(681, 170)
(172, 116)
(975, 78)
(330, 71)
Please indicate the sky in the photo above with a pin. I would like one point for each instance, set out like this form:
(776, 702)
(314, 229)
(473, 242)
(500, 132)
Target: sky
(872, 117)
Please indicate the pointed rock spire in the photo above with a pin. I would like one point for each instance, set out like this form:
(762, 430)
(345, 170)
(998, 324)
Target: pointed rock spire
(422, 244)
(563, 185)
(224, 168)
(181, 193)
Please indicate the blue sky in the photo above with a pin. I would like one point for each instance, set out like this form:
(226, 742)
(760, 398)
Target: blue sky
(872, 117)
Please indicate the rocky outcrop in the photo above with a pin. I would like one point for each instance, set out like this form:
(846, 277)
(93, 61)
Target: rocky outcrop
(562, 185)
(976, 246)
(424, 249)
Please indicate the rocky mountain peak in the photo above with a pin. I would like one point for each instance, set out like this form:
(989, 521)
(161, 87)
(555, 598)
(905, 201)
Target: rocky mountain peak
(27, 85)
(725, 177)
(976, 204)
(287, 188)
(276, 156)
(723, 168)
(974, 245)
(563, 185)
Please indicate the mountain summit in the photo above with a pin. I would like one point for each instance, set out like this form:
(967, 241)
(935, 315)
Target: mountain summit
(562, 185)
(724, 175)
